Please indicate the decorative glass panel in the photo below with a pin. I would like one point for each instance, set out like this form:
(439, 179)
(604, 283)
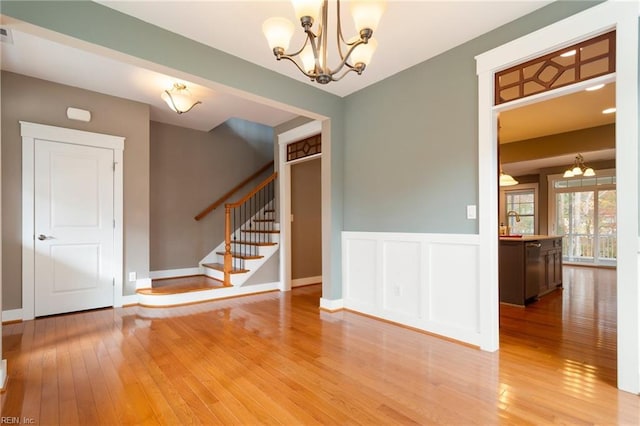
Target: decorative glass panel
(304, 148)
(582, 61)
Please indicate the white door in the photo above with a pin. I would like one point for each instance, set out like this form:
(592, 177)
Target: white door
(74, 227)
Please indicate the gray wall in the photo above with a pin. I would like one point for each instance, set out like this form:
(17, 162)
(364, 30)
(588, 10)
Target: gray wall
(94, 23)
(29, 99)
(190, 169)
(306, 228)
(404, 151)
(412, 148)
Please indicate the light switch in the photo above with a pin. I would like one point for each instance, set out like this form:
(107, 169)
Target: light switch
(471, 212)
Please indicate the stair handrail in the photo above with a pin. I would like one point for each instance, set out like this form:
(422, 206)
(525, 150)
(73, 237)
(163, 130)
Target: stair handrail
(230, 193)
(227, 225)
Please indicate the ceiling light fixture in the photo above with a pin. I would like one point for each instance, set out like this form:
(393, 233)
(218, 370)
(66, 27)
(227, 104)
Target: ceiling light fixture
(609, 111)
(506, 180)
(579, 169)
(313, 53)
(179, 98)
(569, 53)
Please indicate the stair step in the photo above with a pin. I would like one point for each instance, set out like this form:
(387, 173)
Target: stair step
(220, 267)
(254, 243)
(244, 256)
(264, 220)
(269, 211)
(181, 285)
(263, 231)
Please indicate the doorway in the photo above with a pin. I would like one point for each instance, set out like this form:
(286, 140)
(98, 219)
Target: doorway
(72, 220)
(573, 326)
(623, 17)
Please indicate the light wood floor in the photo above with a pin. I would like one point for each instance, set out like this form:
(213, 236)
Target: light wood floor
(276, 359)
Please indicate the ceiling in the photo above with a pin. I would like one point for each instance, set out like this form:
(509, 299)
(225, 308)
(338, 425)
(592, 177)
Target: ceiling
(410, 32)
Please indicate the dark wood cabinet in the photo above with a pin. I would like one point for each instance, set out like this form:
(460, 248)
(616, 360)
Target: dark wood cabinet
(529, 267)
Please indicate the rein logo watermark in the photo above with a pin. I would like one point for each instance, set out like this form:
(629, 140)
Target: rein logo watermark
(6, 420)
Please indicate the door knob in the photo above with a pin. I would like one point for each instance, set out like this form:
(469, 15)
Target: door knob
(43, 237)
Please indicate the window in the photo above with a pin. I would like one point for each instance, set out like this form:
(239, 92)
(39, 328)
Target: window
(519, 209)
(584, 213)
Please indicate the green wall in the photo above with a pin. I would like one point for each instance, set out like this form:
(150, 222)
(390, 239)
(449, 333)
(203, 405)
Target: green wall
(412, 139)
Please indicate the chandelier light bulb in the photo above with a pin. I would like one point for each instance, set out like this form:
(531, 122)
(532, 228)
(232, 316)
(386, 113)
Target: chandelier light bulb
(364, 52)
(367, 13)
(278, 32)
(304, 8)
(308, 61)
(589, 172)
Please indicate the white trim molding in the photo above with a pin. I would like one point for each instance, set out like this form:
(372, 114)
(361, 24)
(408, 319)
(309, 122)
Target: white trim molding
(12, 315)
(3, 374)
(331, 305)
(425, 281)
(623, 17)
(284, 190)
(176, 299)
(30, 132)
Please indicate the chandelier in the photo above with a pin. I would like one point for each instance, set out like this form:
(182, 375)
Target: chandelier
(311, 58)
(579, 169)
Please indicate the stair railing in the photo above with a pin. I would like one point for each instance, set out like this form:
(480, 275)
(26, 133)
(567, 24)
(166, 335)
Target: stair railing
(245, 222)
(230, 193)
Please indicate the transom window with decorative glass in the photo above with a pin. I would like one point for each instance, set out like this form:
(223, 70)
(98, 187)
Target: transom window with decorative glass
(518, 210)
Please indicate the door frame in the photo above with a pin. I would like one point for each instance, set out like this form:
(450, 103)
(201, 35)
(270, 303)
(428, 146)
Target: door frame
(284, 173)
(623, 16)
(30, 132)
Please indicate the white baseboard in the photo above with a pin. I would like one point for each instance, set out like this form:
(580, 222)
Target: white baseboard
(3, 375)
(331, 304)
(143, 283)
(173, 273)
(297, 282)
(12, 315)
(131, 299)
(160, 300)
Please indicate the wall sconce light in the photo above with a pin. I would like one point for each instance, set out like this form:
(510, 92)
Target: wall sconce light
(179, 98)
(579, 169)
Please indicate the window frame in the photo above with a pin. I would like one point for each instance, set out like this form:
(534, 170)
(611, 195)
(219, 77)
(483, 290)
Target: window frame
(521, 187)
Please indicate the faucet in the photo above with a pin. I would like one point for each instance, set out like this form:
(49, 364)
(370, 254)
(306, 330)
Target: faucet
(509, 214)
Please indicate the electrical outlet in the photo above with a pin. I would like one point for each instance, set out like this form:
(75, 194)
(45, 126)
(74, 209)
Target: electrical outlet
(132, 277)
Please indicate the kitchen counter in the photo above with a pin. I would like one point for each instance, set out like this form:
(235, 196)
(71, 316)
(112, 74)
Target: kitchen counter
(528, 237)
(530, 266)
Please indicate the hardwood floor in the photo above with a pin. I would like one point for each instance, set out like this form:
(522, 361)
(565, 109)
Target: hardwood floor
(274, 358)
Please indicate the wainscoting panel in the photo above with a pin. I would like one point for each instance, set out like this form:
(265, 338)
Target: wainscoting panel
(362, 272)
(426, 281)
(402, 278)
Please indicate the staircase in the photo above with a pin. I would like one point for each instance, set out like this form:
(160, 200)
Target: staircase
(252, 243)
(252, 236)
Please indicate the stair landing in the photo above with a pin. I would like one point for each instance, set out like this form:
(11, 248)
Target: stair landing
(168, 292)
(181, 285)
